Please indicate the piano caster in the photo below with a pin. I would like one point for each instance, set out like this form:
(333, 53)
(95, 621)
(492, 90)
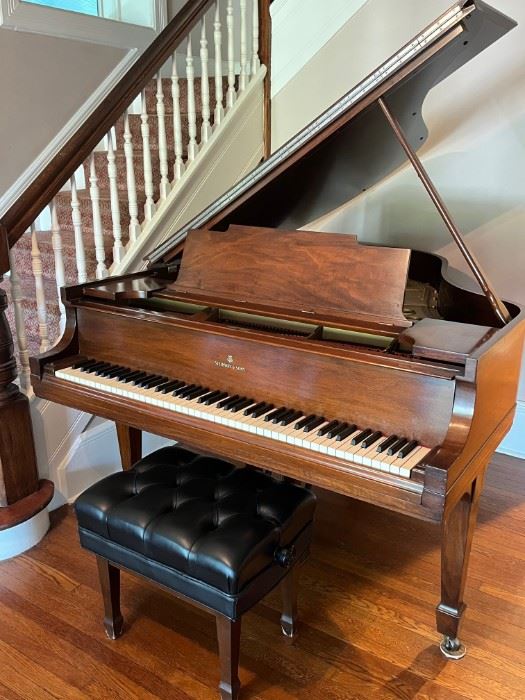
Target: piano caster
(452, 648)
(289, 629)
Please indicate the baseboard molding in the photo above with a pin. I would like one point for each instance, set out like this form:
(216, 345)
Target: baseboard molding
(514, 442)
(18, 539)
(11, 195)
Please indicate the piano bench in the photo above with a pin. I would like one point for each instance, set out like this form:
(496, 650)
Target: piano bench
(215, 535)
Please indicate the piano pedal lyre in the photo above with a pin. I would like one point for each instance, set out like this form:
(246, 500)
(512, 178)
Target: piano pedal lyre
(452, 648)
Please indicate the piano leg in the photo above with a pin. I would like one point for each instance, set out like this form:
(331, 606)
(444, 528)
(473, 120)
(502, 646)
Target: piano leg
(457, 530)
(130, 444)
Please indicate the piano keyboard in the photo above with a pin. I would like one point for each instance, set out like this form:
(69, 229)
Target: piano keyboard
(348, 442)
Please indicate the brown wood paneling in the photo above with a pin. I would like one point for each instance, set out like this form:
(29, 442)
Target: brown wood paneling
(387, 399)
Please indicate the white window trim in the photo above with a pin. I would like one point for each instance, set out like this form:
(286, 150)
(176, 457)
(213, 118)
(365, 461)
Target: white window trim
(38, 19)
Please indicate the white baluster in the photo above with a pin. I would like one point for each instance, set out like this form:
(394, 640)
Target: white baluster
(36, 265)
(177, 126)
(256, 62)
(163, 144)
(60, 275)
(134, 225)
(98, 231)
(192, 116)
(21, 337)
(76, 217)
(217, 37)
(245, 66)
(205, 86)
(231, 94)
(118, 248)
(149, 206)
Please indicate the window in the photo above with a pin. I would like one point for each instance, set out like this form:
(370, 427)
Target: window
(129, 11)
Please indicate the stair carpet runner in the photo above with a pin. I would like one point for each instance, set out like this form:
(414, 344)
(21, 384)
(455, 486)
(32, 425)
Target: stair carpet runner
(22, 250)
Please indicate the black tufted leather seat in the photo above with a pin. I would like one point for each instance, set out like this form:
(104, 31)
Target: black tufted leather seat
(220, 536)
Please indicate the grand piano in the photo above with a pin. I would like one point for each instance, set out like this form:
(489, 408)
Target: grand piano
(357, 368)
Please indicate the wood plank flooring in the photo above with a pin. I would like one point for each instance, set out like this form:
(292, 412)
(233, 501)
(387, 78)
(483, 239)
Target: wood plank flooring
(367, 605)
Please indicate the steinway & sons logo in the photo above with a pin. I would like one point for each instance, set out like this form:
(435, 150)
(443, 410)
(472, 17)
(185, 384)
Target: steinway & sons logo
(230, 364)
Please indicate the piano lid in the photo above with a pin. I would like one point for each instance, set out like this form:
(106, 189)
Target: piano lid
(301, 274)
(350, 147)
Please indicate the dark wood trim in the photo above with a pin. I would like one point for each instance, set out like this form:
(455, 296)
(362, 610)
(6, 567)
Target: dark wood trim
(265, 54)
(42, 190)
(109, 579)
(18, 467)
(130, 444)
(4, 251)
(27, 507)
(229, 640)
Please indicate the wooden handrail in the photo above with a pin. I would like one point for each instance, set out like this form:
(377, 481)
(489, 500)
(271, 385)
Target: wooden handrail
(46, 185)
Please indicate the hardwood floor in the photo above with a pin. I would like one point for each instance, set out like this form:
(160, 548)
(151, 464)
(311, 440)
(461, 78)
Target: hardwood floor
(367, 607)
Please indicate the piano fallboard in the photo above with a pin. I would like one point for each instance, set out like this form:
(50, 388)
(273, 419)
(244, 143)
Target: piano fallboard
(384, 392)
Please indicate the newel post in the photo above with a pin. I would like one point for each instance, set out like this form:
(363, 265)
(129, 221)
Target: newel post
(265, 57)
(23, 498)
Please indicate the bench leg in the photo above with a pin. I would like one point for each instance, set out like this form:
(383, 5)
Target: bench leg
(109, 577)
(289, 612)
(229, 638)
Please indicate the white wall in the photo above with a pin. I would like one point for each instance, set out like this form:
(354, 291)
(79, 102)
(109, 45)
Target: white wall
(44, 81)
(475, 151)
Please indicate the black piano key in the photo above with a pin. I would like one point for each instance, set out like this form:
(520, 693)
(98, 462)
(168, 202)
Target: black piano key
(130, 377)
(223, 403)
(305, 420)
(169, 386)
(288, 412)
(249, 411)
(222, 395)
(312, 425)
(262, 409)
(346, 432)
(93, 368)
(84, 364)
(290, 417)
(154, 383)
(239, 406)
(387, 443)
(362, 435)
(209, 396)
(326, 428)
(147, 382)
(369, 441)
(196, 392)
(102, 371)
(116, 372)
(401, 442)
(166, 386)
(140, 376)
(143, 381)
(125, 374)
(186, 389)
(237, 402)
(407, 449)
(335, 431)
(275, 414)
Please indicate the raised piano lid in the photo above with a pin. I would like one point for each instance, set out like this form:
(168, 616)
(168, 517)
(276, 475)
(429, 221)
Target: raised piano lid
(350, 147)
(326, 277)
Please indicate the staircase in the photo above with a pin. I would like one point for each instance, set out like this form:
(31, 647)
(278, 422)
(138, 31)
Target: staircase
(21, 253)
